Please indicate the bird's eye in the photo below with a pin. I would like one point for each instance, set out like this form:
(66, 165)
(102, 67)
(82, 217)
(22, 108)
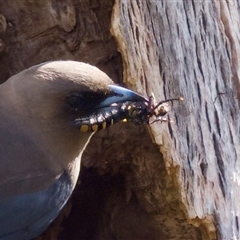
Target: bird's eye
(84, 100)
(75, 100)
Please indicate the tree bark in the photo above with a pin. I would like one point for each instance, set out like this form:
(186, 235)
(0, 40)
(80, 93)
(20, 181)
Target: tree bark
(181, 181)
(191, 49)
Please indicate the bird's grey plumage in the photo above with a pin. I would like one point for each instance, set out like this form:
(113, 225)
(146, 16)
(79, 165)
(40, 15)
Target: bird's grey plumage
(40, 150)
(34, 122)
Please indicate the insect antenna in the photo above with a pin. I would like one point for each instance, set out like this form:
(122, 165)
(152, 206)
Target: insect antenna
(168, 100)
(162, 111)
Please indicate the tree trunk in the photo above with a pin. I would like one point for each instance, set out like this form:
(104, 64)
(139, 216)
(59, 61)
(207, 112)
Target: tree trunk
(183, 181)
(191, 49)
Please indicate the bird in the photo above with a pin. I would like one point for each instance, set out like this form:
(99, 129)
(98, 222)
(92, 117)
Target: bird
(40, 146)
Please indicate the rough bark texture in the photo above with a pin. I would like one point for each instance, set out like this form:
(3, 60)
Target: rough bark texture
(32, 32)
(191, 48)
(185, 185)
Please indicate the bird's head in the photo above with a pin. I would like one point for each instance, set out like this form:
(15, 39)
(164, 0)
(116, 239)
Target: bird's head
(59, 92)
(48, 98)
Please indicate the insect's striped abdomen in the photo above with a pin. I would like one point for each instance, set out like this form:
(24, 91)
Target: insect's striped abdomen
(105, 117)
(100, 119)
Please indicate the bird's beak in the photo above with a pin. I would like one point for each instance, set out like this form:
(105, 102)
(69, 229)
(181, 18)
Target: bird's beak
(119, 95)
(108, 111)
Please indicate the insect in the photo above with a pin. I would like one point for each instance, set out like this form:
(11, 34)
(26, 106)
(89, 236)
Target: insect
(136, 112)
